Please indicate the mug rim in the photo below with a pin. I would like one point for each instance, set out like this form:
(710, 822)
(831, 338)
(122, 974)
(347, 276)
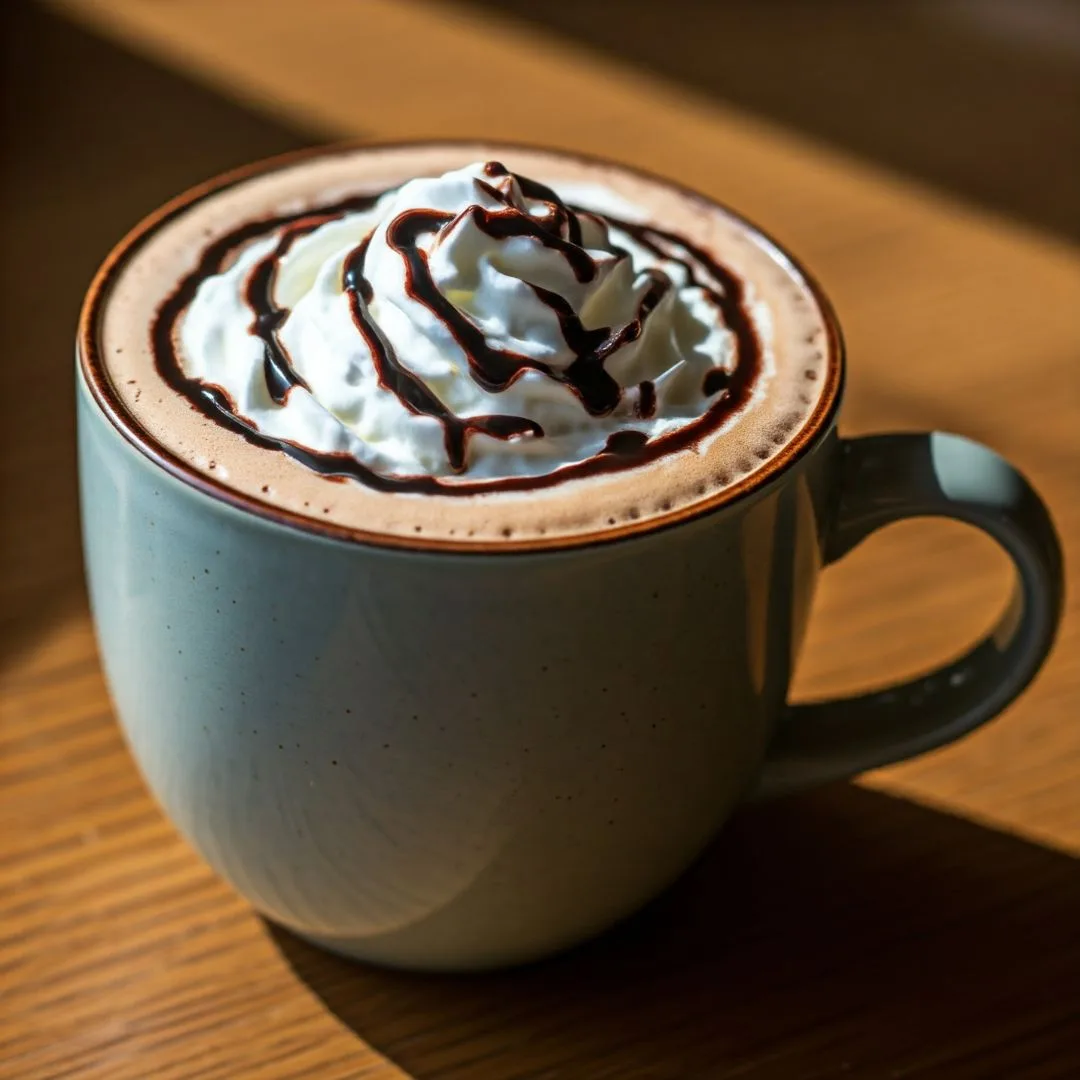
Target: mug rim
(104, 395)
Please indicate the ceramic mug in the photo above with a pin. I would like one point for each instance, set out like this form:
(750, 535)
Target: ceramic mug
(454, 760)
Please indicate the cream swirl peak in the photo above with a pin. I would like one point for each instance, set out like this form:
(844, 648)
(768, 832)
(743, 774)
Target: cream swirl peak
(522, 356)
(472, 325)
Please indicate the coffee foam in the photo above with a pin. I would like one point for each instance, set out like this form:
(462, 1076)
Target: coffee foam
(790, 319)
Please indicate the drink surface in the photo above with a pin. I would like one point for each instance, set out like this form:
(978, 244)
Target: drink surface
(457, 344)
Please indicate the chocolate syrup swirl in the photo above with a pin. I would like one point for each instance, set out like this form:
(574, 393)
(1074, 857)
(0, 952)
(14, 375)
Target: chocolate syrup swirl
(278, 371)
(560, 217)
(494, 369)
(412, 391)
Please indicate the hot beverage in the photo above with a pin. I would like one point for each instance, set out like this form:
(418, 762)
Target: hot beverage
(464, 344)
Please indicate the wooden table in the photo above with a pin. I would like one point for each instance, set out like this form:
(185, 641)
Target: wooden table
(921, 923)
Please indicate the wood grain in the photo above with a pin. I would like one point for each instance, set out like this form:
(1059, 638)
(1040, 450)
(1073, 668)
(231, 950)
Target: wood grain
(922, 924)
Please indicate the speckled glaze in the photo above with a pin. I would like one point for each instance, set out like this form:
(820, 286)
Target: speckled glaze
(459, 761)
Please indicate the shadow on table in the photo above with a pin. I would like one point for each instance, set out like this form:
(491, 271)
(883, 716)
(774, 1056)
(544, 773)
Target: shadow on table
(842, 933)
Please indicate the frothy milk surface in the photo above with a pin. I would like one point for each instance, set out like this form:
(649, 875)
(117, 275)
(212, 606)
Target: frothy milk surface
(463, 344)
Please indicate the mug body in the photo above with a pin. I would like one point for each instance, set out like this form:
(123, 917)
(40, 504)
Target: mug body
(444, 760)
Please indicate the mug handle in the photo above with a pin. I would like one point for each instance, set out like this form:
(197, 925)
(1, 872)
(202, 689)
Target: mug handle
(885, 478)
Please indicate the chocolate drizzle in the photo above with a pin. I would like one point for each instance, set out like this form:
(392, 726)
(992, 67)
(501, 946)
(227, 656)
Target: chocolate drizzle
(412, 391)
(558, 228)
(495, 369)
(560, 217)
(278, 371)
(715, 380)
(627, 443)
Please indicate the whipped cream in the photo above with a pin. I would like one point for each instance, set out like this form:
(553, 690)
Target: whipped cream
(467, 326)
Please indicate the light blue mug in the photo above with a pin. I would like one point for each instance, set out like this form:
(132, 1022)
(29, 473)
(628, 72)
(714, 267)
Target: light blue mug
(463, 760)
